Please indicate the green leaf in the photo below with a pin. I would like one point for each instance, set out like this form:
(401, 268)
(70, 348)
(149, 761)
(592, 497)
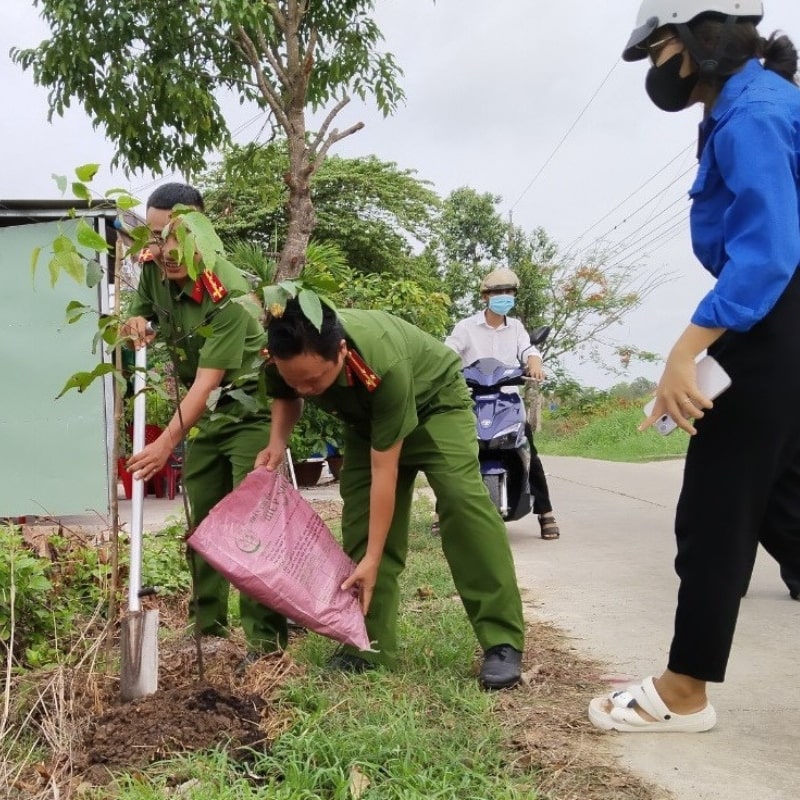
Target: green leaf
(63, 244)
(207, 242)
(275, 296)
(89, 237)
(61, 182)
(324, 282)
(75, 310)
(54, 269)
(127, 201)
(109, 336)
(139, 238)
(249, 303)
(69, 262)
(94, 273)
(87, 171)
(187, 246)
(248, 401)
(35, 260)
(82, 380)
(290, 287)
(81, 191)
(311, 307)
(79, 381)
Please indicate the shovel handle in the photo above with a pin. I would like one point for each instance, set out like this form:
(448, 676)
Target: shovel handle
(137, 497)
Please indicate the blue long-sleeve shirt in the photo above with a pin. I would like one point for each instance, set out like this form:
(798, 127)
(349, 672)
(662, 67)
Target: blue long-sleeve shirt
(745, 217)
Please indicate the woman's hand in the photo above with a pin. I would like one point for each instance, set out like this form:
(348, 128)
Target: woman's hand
(677, 393)
(363, 578)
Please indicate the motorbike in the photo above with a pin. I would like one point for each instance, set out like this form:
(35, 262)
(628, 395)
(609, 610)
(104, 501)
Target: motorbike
(500, 420)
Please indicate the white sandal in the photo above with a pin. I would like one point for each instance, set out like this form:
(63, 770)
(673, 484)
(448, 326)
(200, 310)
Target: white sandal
(623, 715)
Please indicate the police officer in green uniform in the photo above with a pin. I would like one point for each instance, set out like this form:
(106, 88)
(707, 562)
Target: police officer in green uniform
(405, 408)
(217, 343)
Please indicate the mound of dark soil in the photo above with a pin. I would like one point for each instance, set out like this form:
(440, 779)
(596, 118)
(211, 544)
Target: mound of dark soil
(229, 707)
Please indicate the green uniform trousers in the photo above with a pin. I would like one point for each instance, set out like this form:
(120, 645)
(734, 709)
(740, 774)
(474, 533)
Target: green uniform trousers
(217, 460)
(473, 534)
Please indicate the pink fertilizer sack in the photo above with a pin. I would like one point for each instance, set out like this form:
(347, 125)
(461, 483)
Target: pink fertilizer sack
(272, 545)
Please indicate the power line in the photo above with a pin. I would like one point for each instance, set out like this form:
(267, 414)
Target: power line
(624, 243)
(636, 191)
(651, 235)
(644, 246)
(564, 137)
(666, 241)
(631, 215)
(234, 133)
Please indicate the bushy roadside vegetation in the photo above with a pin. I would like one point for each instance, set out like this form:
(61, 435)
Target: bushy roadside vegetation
(54, 589)
(603, 424)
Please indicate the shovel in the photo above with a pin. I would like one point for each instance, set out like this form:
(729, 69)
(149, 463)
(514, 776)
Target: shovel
(139, 642)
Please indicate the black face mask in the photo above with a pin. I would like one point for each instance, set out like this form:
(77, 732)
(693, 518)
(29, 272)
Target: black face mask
(666, 88)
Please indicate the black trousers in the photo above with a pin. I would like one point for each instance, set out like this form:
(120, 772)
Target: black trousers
(536, 478)
(741, 486)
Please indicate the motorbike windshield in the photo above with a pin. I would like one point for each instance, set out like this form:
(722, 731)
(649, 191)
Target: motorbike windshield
(489, 373)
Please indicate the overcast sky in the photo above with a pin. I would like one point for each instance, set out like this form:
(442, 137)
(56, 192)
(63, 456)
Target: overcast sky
(526, 100)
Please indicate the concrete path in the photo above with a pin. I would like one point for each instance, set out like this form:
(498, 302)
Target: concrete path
(609, 583)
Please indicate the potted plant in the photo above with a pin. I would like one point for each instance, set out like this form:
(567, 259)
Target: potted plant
(159, 408)
(316, 437)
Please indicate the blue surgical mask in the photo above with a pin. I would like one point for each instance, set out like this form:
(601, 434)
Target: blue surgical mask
(501, 303)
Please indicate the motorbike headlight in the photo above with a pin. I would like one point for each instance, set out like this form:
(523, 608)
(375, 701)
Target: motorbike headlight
(505, 439)
(512, 430)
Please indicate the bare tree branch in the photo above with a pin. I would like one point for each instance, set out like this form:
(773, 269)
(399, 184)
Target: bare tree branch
(269, 94)
(326, 123)
(273, 58)
(277, 15)
(332, 139)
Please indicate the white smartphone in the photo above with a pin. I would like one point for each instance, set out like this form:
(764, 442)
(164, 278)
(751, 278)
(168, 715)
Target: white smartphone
(712, 381)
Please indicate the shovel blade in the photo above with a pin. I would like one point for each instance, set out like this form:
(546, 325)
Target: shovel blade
(139, 654)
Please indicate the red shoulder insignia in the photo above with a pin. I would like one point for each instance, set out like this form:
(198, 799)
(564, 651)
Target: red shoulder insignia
(214, 286)
(355, 365)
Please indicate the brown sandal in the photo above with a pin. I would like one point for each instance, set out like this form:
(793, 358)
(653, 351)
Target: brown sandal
(549, 526)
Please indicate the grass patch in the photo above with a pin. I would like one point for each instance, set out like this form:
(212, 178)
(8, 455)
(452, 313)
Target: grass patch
(609, 432)
(424, 730)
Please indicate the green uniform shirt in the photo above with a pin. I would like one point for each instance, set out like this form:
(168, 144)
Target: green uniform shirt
(419, 376)
(226, 335)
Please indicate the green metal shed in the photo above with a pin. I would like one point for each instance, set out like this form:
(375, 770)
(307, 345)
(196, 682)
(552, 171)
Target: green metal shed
(54, 454)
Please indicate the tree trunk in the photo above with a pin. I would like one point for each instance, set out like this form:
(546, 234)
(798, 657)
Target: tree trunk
(287, 102)
(301, 211)
(533, 405)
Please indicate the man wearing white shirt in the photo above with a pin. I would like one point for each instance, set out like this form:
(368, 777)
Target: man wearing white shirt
(491, 333)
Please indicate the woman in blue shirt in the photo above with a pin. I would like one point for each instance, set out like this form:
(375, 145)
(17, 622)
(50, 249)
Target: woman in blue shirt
(742, 476)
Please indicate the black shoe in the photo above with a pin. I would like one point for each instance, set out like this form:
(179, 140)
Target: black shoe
(502, 667)
(348, 662)
(794, 594)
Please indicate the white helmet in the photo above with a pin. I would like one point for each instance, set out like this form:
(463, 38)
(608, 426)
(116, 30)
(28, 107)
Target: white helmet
(499, 279)
(654, 14)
